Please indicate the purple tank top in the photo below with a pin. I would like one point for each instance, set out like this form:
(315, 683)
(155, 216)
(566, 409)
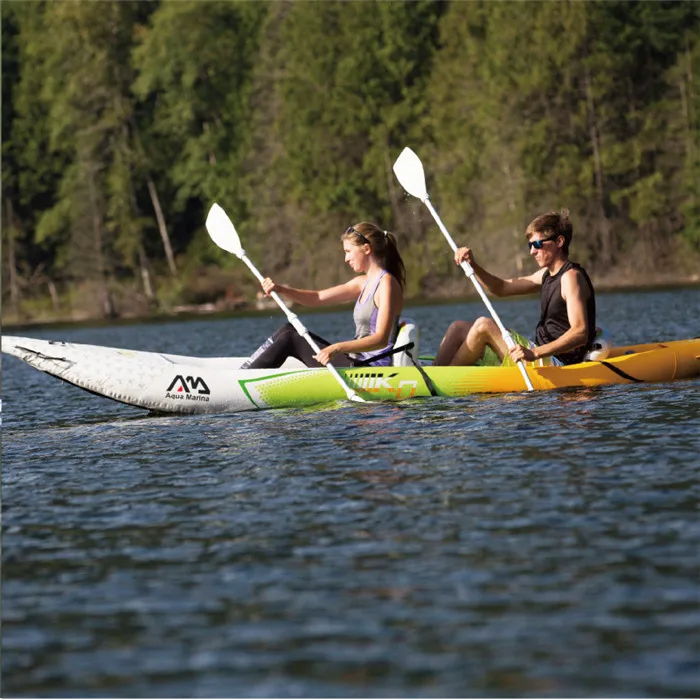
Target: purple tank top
(365, 316)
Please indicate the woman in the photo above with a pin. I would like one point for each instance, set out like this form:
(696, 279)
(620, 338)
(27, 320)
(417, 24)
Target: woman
(373, 255)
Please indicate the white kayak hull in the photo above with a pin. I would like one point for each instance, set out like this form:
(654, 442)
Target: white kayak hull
(155, 381)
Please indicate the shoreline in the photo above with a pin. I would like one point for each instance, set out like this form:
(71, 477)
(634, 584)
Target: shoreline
(253, 309)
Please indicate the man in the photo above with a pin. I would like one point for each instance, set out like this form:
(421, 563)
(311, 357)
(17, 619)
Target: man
(567, 322)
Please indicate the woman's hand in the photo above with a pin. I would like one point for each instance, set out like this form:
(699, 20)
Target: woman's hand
(464, 255)
(326, 354)
(268, 286)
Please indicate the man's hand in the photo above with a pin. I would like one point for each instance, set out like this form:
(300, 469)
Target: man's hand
(268, 286)
(464, 255)
(519, 352)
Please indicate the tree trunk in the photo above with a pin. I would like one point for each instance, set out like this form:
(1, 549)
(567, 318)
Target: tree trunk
(406, 223)
(161, 225)
(54, 295)
(153, 193)
(146, 275)
(107, 301)
(594, 135)
(11, 257)
(686, 89)
(521, 257)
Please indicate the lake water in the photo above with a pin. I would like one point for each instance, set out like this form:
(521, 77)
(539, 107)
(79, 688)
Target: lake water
(541, 544)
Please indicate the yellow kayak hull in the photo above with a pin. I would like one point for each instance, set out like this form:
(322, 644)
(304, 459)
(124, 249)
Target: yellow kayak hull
(651, 362)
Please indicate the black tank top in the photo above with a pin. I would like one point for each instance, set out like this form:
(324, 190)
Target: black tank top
(554, 321)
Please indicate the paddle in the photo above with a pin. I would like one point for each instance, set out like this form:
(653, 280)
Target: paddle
(223, 233)
(409, 172)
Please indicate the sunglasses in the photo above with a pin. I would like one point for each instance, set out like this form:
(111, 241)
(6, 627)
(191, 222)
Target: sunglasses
(352, 229)
(539, 244)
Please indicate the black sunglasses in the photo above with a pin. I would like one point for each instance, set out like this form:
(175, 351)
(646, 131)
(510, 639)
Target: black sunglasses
(352, 229)
(538, 244)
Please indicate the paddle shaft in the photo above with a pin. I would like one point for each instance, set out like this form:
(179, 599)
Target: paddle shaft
(301, 329)
(469, 271)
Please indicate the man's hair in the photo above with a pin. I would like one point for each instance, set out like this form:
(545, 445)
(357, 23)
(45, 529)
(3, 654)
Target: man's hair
(553, 223)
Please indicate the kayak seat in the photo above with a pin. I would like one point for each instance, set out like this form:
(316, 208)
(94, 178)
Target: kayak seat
(601, 347)
(408, 332)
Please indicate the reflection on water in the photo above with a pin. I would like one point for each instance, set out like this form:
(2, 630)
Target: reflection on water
(529, 544)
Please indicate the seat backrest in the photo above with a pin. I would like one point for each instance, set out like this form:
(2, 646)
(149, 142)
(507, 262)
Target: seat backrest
(408, 332)
(602, 345)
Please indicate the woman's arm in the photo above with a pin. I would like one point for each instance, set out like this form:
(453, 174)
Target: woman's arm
(308, 297)
(389, 301)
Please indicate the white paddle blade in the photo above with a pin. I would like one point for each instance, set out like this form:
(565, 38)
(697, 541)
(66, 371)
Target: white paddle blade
(409, 172)
(222, 232)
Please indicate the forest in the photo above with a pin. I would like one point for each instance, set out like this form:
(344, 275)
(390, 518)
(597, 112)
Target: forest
(122, 122)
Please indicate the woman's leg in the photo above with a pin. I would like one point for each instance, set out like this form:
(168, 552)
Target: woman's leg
(286, 342)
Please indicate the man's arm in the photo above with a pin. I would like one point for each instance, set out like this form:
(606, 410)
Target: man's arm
(517, 285)
(496, 285)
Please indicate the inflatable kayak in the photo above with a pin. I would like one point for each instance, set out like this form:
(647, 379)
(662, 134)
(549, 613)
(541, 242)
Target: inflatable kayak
(169, 383)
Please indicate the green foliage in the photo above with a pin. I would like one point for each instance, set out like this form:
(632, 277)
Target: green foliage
(291, 114)
(194, 63)
(30, 172)
(686, 74)
(546, 104)
(352, 89)
(350, 94)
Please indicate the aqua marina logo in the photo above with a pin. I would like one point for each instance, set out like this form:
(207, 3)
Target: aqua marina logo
(182, 388)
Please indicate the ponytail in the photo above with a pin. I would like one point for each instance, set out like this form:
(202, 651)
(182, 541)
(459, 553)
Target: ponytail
(392, 261)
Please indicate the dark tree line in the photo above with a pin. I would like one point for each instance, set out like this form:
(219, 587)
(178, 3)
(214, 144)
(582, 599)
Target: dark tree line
(123, 121)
